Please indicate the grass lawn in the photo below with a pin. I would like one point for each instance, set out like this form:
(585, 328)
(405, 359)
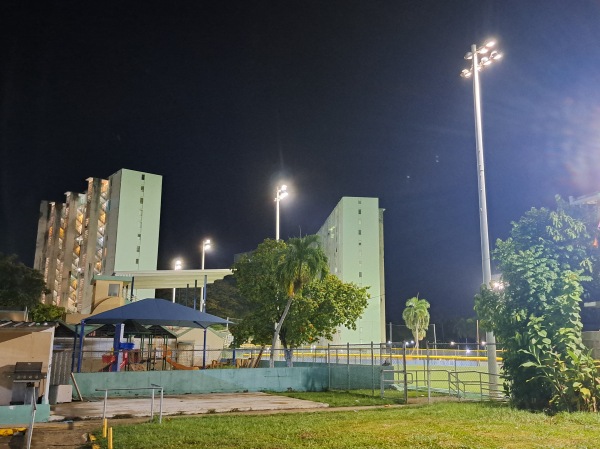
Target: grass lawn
(356, 398)
(441, 425)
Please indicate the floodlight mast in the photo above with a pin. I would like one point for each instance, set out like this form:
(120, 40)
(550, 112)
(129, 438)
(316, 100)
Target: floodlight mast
(476, 67)
(280, 194)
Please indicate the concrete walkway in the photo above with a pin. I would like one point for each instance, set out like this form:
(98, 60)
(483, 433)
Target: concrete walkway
(179, 405)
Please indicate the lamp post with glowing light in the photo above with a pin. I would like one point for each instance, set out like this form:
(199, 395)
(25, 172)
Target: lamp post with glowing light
(205, 247)
(178, 266)
(477, 65)
(281, 193)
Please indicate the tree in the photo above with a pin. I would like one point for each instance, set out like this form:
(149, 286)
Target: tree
(318, 308)
(223, 299)
(257, 281)
(301, 262)
(325, 304)
(46, 312)
(20, 286)
(536, 315)
(416, 317)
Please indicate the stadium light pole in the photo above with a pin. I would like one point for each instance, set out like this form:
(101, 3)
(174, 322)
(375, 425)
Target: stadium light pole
(473, 72)
(178, 266)
(205, 247)
(281, 193)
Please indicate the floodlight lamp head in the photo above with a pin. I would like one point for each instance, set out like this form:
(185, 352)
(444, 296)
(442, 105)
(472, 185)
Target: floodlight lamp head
(469, 56)
(466, 73)
(490, 43)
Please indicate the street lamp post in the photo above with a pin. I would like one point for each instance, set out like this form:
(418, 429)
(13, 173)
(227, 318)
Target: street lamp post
(477, 65)
(281, 193)
(205, 247)
(178, 266)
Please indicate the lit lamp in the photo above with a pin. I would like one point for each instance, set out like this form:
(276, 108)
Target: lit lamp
(178, 266)
(281, 193)
(482, 57)
(205, 247)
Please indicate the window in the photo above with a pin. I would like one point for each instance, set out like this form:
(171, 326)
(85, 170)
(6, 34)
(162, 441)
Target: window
(142, 188)
(359, 211)
(359, 232)
(143, 177)
(113, 289)
(138, 249)
(137, 261)
(360, 274)
(141, 200)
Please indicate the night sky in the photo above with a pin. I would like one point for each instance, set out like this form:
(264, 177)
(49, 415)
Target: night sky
(334, 98)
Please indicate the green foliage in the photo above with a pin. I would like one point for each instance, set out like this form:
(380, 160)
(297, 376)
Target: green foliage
(224, 299)
(416, 317)
(46, 312)
(536, 315)
(325, 305)
(316, 307)
(20, 286)
(257, 281)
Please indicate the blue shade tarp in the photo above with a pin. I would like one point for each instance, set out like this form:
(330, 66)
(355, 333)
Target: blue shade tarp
(157, 311)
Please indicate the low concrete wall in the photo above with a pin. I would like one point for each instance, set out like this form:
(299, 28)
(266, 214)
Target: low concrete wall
(204, 381)
(21, 414)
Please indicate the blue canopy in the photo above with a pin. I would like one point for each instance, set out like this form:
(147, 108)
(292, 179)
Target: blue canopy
(156, 311)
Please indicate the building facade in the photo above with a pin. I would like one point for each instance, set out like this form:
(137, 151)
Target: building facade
(113, 226)
(352, 238)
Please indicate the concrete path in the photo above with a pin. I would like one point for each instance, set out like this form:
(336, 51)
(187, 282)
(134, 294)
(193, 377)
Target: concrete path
(179, 405)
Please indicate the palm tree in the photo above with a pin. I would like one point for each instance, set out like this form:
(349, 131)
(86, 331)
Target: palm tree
(416, 317)
(302, 261)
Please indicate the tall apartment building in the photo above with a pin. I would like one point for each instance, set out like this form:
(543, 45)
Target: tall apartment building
(352, 238)
(114, 226)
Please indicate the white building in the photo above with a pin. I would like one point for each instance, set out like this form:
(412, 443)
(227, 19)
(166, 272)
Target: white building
(114, 226)
(352, 238)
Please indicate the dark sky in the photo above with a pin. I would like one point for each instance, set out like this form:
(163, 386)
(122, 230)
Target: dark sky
(337, 98)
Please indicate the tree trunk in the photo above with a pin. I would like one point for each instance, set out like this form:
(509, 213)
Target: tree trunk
(289, 355)
(277, 330)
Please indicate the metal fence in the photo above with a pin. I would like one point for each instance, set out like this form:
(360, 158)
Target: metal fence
(452, 369)
(456, 369)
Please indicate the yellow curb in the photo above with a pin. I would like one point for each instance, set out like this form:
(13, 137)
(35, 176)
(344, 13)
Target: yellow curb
(92, 438)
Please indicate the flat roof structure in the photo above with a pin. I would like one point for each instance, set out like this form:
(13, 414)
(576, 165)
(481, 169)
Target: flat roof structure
(152, 279)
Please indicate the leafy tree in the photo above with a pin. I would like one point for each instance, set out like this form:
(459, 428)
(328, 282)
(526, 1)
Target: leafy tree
(325, 305)
(256, 278)
(316, 309)
(416, 317)
(47, 312)
(536, 315)
(20, 286)
(223, 299)
(301, 262)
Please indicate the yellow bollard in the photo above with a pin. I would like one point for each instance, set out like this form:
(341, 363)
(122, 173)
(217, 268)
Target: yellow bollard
(104, 427)
(110, 446)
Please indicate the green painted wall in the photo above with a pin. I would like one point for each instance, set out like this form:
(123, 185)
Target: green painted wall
(302, 377)
(20, 415)
(205, 381)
